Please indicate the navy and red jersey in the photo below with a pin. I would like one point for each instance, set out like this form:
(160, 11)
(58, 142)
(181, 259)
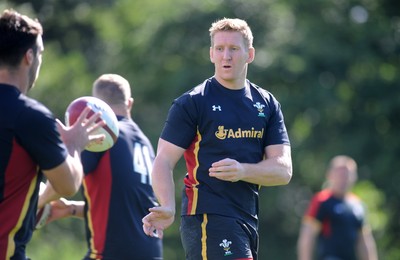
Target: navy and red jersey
(212, 123)
(29, 142)
(342, 219)
(118, 193)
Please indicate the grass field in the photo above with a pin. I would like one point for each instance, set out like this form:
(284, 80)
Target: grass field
(61, 240)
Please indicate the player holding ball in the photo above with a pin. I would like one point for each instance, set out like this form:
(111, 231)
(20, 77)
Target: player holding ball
(117, 185)
(32, 142)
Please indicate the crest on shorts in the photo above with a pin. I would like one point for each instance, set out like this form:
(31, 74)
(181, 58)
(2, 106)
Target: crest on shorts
(226, 246)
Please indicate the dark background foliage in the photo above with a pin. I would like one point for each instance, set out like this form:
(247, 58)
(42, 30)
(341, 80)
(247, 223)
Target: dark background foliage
(333, 65)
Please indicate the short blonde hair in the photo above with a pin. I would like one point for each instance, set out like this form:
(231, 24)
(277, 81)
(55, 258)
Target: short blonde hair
(112, 88)
(234, 25)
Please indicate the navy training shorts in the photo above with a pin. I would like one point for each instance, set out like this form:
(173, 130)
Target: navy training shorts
(210, 237)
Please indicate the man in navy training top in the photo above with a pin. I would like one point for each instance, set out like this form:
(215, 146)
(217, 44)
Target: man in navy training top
(334, 225)
(233, 138)
(33, 144)
(117, 185)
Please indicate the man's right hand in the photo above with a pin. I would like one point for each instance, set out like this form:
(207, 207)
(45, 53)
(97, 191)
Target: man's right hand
(157, 220)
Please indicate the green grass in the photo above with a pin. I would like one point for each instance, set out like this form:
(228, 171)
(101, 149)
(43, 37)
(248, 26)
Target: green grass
(61, 240)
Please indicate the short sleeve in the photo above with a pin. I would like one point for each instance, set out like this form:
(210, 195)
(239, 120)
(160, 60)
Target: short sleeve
(181, 124)
(39, 135)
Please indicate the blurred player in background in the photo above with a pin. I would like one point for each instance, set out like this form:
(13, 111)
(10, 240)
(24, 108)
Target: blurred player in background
(334, 226)
(31, 140)
(234, 140)
(117, 185)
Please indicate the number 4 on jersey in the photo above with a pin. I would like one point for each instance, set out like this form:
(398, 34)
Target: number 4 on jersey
(142, 163)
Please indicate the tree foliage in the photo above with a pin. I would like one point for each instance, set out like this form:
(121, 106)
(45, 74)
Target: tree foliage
(333, 65)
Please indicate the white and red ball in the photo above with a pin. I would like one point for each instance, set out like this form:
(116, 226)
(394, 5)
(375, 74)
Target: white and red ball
(110, 129)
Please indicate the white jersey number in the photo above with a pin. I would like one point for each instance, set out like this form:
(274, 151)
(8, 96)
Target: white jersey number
(142, 163)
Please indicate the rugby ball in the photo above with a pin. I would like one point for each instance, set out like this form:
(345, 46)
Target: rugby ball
(110, 130)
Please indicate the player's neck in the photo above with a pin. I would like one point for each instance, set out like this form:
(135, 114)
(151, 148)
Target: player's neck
(338, 194)
(120, 110)
(231, 84)
(13, 78)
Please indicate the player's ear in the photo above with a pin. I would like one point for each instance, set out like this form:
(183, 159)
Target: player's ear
(252, 53)
(29, 56)
(130, 103)
(211, 54)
